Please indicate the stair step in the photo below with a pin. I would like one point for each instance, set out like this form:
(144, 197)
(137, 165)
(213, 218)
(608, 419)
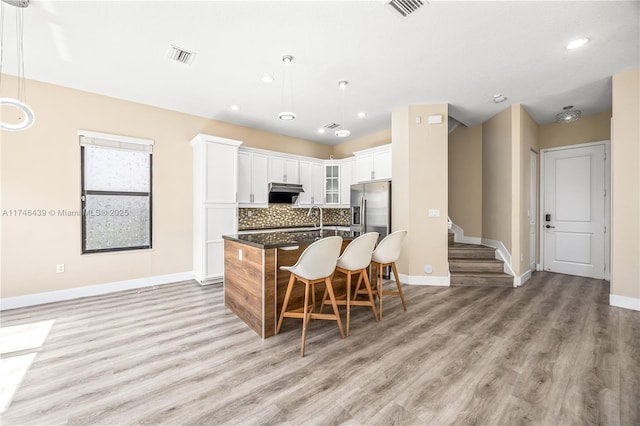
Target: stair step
(471, 251)
(481, 279)
(476, 265)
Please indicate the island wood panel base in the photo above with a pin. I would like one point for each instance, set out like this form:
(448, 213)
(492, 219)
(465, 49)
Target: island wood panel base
(254, 286)
(243, 283)
(271, 311)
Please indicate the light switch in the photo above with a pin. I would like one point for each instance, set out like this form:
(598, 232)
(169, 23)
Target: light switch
(435, 119)
(434, 213)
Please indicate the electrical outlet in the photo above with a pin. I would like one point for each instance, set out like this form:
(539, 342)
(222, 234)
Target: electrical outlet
(239, 254)
(60, 267)
(434, 213)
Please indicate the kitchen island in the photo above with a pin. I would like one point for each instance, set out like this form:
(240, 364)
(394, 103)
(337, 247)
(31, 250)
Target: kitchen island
(254, 285)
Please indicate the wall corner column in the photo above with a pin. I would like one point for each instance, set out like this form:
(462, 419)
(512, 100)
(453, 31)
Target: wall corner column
(420, 186)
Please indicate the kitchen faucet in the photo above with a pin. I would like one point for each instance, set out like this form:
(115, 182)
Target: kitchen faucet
(320, 210)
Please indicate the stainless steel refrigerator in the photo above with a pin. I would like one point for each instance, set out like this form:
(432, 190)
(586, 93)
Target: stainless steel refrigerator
(371, 208)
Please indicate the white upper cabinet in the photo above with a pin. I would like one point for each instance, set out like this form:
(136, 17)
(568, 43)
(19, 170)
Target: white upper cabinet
(252, 179)
(373, 164)
(332, 177)
(283, 170)
(347, 178)
(311, 180)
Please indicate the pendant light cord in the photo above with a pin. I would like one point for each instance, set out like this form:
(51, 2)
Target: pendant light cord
(1, 38)
(22, 92)
(20, 53)
(286, 81)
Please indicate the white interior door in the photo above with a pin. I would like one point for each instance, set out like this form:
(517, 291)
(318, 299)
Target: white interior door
(573, 211)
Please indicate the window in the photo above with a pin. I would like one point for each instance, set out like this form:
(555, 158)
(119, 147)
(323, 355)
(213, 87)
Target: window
(116, 192)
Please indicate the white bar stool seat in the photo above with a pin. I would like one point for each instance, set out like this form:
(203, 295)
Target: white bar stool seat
(355, 260)
(386, 254)
(316, 264)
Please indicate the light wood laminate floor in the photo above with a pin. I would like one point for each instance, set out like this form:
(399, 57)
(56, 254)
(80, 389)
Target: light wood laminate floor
(550, 352)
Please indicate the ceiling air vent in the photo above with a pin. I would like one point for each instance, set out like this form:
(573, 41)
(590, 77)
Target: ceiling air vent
(181, 55)
(331, 125)
(405, 7)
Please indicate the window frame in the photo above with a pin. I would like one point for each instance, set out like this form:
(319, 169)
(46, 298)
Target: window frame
(84, 192)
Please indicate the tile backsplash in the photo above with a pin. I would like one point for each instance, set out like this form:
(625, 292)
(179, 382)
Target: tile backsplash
(286, 216)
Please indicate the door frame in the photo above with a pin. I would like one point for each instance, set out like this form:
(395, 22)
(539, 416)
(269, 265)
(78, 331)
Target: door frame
(607, 201)
(534, 160)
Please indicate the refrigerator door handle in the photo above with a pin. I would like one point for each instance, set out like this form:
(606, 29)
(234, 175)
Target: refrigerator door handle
(363, 215)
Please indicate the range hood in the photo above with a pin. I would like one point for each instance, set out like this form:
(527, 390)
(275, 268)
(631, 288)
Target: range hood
(284, 193)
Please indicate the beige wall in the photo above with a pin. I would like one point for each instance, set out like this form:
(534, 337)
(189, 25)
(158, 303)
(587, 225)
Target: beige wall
(625, 186)
(592, 128)
(347, 149)
(40, 169)
(496, 178)
(420, 183)
(465, 179)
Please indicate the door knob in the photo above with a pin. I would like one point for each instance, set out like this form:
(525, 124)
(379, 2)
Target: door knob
(549, 226)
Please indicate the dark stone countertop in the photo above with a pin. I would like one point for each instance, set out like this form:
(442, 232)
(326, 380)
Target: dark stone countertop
(267, 240)
(293, 227)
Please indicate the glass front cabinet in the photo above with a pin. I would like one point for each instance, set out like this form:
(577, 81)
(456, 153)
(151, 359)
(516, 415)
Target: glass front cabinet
(332, 184)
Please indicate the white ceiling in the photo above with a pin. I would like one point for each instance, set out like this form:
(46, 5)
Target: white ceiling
(460, 53)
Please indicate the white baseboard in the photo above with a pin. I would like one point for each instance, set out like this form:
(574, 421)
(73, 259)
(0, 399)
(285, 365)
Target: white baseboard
(92, 290)
(459, 236)
(624, 302)
(523, 278)
(503, 254)
(423, 280)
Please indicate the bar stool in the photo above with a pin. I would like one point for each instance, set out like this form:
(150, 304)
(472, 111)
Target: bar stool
(386, 254)
(316, 264)
(355, 260)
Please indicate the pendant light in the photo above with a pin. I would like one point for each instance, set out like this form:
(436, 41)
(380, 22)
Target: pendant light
(286, 114)
(27, 114)
(343, 132)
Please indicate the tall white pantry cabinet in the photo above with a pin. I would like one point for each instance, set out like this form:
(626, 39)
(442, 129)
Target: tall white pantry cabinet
(215, 206)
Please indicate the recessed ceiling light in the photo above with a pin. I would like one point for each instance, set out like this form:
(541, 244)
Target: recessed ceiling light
(267, 79)
(321, 130)
(577, 43)
(234, 108)
(362, 114)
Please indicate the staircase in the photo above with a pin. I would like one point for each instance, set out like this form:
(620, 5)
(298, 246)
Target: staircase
(472, 265)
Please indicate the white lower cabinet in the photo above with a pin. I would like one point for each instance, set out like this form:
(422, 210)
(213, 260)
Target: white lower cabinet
(215, 209)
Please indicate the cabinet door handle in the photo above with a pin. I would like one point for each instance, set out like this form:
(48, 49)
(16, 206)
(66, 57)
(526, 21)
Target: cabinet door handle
(373, 174)
(284, 178)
